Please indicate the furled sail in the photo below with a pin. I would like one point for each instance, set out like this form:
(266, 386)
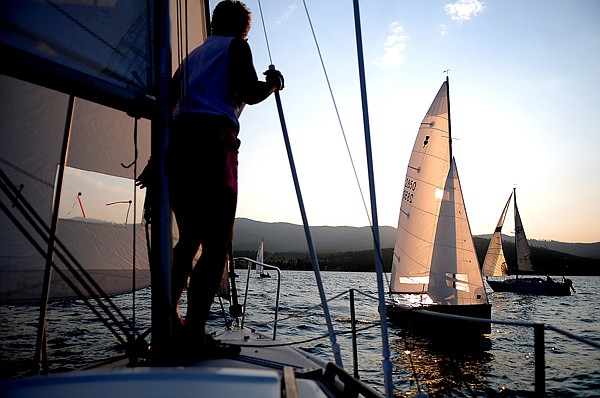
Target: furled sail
(102, 53)
(422, 198)
(522, 245)
(494, 263)
(455, 278)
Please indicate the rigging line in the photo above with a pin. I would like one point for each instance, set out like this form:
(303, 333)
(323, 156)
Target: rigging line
(69, 281)
(262, 18)
(26, 173)
(42, 229)
(134, 331)
(304, 312)
(315, 262)
(85, 28)
(337, 112)
(362, 195)
(181, 15)
(72, 207)
(187, 31)
(324, 336)
(182, 69)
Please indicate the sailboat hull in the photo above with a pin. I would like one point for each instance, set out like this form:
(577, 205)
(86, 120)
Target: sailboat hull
(536, 286)
(451, 320)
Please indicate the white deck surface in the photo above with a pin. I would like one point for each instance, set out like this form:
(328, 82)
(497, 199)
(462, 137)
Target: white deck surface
(256, 373)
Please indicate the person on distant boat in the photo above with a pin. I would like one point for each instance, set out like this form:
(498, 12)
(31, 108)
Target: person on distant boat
(209, 91)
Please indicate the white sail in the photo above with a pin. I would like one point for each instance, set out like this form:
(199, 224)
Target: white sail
(423, 190)
(494, 263)
(99, 52)
(103, 249)
(260, 254)
(454, 277)
(522, 246)
(30, 144)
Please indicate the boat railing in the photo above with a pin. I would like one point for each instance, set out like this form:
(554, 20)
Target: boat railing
(538, 328)
(268, 266)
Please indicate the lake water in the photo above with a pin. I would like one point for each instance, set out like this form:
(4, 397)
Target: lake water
(504, 367)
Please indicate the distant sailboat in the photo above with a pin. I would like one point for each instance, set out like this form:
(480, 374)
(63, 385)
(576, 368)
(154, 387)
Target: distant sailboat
(434, 255)
(495, 264)
(260, 256)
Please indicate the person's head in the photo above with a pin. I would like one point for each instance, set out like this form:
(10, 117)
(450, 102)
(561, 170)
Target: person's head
(231, 18)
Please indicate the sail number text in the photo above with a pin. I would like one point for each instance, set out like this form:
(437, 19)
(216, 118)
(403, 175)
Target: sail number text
(409, 189)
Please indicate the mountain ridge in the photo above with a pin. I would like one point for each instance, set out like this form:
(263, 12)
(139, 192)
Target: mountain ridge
(288, 237)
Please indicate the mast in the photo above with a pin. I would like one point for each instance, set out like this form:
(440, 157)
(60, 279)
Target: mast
(449, 124)
(516, 269)
(161, 252)
(386, 362)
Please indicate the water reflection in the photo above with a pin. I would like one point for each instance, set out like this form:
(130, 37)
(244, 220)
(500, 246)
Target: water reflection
(440, 366)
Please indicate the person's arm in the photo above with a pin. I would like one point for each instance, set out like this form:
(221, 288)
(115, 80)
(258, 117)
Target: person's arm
(242, 74)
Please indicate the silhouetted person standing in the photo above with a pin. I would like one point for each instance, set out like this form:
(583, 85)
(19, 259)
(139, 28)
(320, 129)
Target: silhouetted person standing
(210, 89)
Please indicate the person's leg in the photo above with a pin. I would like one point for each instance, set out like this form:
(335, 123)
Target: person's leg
(206, 275)
(184, 251)
(184, 173)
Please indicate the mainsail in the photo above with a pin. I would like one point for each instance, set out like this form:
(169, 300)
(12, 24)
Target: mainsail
(494, 263)
(522, 245)
(102, 53)
(423, 192)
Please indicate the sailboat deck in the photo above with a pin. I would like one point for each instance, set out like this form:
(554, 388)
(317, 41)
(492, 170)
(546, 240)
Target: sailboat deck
(261, 370)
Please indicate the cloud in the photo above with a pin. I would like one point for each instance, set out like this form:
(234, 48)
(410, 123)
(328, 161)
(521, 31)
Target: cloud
(463, 10)
(393, 47)
(289, 11)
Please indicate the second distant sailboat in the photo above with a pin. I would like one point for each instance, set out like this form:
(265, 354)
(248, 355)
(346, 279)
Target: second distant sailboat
(495, 263)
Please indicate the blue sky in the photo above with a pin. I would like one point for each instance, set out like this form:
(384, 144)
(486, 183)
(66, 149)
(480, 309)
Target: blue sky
(523, 84)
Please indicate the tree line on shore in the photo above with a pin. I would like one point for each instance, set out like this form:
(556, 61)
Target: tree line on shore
(546, 261)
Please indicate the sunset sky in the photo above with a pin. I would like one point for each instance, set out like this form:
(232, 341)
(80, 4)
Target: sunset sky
(524, 82)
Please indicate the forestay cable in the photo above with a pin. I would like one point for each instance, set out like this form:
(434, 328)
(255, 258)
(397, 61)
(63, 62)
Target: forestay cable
(362, 196)
(334, 345)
